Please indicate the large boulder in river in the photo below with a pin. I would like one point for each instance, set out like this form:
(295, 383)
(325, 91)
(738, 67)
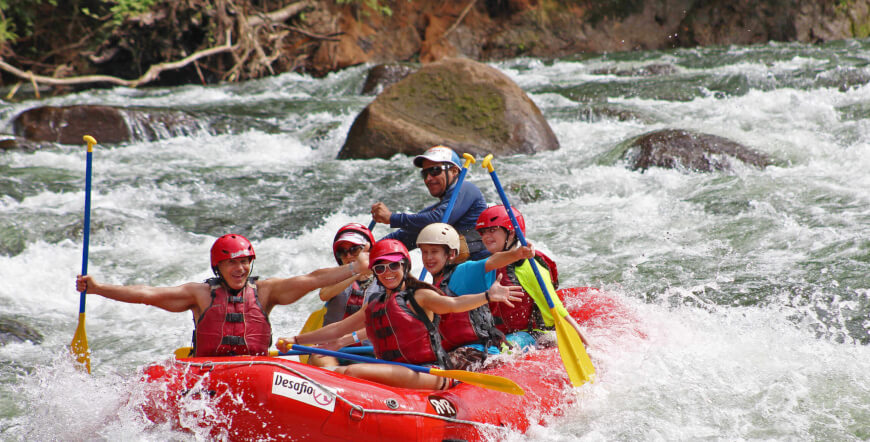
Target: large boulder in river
(682, 149)
(67, 125)
(109, 124)
(461, 103)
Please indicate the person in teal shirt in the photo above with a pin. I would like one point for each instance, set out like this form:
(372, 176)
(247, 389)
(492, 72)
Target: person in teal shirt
(469, 336)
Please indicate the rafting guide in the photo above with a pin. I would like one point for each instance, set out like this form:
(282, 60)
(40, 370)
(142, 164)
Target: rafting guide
(231, 310)
(439, 168)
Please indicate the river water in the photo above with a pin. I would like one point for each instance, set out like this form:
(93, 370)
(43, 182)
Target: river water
(750, 288)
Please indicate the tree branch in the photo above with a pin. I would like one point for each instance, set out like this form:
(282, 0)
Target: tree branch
(152, 73)
(281, 14)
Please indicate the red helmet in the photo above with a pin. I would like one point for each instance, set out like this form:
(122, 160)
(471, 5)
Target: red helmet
(350, 228)
(497, 216)
(231, 246)
(389, 249)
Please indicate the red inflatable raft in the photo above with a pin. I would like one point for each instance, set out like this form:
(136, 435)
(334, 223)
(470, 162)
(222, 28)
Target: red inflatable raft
(277, 398)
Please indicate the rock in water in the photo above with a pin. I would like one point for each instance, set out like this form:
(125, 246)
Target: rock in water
(466, 105)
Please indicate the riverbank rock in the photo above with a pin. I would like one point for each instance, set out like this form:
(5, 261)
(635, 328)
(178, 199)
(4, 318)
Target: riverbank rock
(67, 125)
(685, 150)
(13, 330)
(108, 124)
(467, 105)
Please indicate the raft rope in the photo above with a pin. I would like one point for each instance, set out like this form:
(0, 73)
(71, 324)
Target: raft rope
(354, 407)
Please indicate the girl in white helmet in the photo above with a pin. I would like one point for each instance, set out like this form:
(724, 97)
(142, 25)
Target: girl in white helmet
(467, 336)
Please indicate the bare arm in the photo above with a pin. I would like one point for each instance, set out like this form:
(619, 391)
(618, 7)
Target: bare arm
(576, 326)
(502, 259)
(328, 333)
(283, 291)
(174, 299)
(331, 291)
(441, 304)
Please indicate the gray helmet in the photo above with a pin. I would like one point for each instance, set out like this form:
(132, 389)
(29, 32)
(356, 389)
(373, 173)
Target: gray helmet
(439, 233)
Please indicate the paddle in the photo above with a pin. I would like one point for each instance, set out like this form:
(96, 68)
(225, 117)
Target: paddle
(444, 218)
(185, 352)
(571, 349)
(489, 381)
(79, 345)
(314, 321)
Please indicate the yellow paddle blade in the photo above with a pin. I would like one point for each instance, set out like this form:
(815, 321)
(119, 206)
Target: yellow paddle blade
(573, 353)
(183, 352)
(314, 322)
(79, 345)
(489, 381)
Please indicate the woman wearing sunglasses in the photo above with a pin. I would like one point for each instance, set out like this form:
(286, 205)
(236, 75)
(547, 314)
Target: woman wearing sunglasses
(401, 322)
(468, 336)
(348, 296)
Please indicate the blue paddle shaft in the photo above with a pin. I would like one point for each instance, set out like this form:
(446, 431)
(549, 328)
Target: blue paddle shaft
(87, 230)
(520, 236)
(353, 350)
(359, 358)
(453, 196)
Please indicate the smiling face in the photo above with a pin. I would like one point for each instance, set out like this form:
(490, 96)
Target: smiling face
(435, 257)
(437, 184)
(235, 271)
(390, 279)
(494, 238)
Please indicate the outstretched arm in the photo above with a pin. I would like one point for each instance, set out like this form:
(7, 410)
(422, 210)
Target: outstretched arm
(173, 299)
(502, 259)
(283, 291)
(440, 304)
(328, 333)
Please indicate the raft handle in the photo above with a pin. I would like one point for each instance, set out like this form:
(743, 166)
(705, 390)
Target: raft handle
(361, 410)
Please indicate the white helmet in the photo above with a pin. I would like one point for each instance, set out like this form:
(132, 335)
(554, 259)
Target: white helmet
(439, 233)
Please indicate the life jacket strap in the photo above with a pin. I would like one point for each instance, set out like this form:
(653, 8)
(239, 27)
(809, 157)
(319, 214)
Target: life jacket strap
(233, 340)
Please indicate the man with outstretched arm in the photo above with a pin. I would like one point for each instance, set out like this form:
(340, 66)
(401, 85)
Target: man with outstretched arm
(231, 310)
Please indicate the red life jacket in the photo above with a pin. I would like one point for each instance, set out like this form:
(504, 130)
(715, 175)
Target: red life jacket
(356, 298)
(472, 327)
(232, 325)
(399, 330)
(525, 314)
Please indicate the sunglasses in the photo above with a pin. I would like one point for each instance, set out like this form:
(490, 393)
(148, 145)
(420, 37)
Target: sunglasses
(353, 251)
(433, 171)
(381, 268)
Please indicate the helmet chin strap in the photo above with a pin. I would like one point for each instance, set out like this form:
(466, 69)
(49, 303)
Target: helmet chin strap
(223, 281)
(508, 242)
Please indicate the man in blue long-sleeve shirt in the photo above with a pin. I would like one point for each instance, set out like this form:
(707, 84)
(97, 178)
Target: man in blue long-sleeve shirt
(440, 170)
